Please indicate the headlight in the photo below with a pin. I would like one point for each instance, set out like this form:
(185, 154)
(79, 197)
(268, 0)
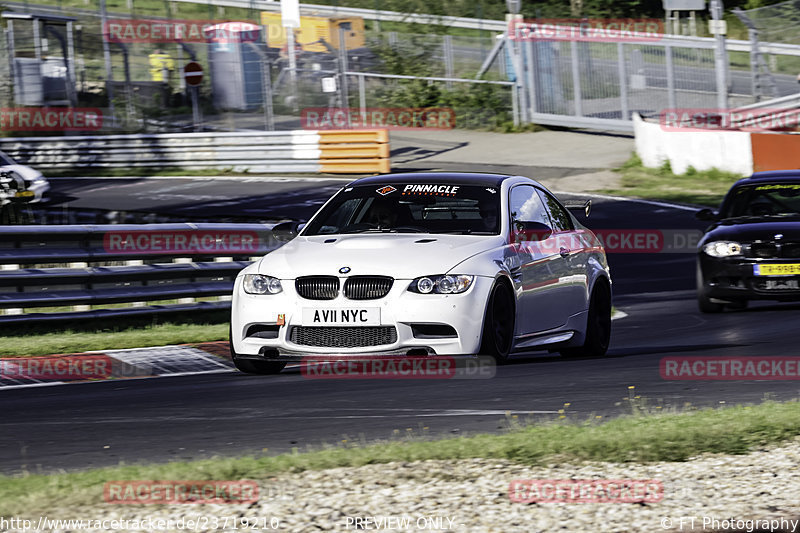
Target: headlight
(260, 284)
(450, 284)
(723, 248)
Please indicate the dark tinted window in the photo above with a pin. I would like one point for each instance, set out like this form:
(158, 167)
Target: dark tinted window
(5, 160)
(558, 215)
(525, 205)
(410, 207)
(765, 199)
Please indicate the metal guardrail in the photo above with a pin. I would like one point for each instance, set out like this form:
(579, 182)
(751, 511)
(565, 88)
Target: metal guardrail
(296, 151)
(84, 266)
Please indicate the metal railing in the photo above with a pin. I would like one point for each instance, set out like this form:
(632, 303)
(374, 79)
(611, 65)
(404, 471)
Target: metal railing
(56, 273)
(268, 152)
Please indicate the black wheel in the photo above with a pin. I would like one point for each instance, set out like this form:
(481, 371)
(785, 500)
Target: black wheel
(498, 324)
(704, 302)
(254, 367)
(598, 324)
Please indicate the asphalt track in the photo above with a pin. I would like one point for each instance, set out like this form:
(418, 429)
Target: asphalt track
(180, 418)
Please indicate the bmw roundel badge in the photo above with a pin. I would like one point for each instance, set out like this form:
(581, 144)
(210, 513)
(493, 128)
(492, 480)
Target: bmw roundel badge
(344, 270)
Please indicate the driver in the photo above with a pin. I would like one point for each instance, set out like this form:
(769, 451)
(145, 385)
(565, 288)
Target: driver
(381, 213)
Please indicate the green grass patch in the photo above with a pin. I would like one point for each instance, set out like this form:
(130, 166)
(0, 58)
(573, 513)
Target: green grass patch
(706, 187)
(83, 336)
(639, 438)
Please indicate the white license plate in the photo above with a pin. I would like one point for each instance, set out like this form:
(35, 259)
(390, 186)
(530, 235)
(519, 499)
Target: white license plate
(367, 316)
(781, 284)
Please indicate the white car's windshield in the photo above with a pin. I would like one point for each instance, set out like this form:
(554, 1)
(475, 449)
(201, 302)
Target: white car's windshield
(411, 208)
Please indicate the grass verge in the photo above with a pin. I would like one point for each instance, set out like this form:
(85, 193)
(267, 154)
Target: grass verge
(694, 187)
(120, 333)
(639, 438)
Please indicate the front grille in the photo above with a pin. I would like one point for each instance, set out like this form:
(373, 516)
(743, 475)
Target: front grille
(317, 287)
(763, 249)
(774, 250)
(343, 337)
(367, 287)
(791, 250)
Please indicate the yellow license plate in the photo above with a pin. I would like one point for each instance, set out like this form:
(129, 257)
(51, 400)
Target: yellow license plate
(791, 269)
(24, 194)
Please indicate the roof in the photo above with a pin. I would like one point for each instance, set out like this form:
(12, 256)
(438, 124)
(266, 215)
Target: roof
(791, 176)
(775, 174)
(463, 178)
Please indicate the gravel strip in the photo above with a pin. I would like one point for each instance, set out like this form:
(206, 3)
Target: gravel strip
(473, 496)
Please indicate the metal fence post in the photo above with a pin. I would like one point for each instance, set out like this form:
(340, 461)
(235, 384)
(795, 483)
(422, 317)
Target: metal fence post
(623, 81)
(720, 56)
(447, 49)
(531, 62)
(362, 95)
(343, 72)
(672, 101)
(512, 45)
(576, 79)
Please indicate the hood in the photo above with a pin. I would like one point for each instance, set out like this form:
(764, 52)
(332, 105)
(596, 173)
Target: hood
(401, 256)
(27, 173)
(755, 231)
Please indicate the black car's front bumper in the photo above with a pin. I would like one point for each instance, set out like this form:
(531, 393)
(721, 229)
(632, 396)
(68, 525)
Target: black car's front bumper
(734, 279)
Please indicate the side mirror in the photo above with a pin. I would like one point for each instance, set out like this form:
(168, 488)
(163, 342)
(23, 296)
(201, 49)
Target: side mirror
(707, 215)
(530, 231)
(286, 231)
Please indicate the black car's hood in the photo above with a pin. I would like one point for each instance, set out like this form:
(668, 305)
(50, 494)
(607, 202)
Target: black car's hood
(753, 230)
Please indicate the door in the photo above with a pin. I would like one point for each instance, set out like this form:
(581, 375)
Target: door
(539, 265)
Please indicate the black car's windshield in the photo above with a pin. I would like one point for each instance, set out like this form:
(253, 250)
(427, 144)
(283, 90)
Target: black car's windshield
(410, 208)
(763, 200)
(5, 160)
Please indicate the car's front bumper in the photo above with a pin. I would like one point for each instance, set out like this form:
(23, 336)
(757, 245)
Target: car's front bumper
(255, 318)
(732, 279)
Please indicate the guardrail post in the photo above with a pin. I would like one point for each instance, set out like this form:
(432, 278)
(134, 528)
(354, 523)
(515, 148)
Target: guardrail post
(189, 300)
(11, 310)
(80, 307)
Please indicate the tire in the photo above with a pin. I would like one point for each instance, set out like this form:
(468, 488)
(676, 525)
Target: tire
(598, 325)
(498, 324)
(250, 366)
(704, 303)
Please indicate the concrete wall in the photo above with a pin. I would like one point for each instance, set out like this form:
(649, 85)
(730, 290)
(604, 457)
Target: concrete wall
(703, 150)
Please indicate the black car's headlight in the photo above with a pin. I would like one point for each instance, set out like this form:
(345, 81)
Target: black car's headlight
(441, 284)
(260, 284)
(723, 248)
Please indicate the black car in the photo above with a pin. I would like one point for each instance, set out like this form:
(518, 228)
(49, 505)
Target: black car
(752, 249)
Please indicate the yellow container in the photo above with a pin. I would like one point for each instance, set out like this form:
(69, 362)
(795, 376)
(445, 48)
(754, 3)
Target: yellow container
(315, 31)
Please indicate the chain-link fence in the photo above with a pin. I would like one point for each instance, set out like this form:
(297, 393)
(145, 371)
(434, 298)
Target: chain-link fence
(137, 79)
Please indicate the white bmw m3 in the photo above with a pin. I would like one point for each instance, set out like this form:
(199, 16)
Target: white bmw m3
(425, 264)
